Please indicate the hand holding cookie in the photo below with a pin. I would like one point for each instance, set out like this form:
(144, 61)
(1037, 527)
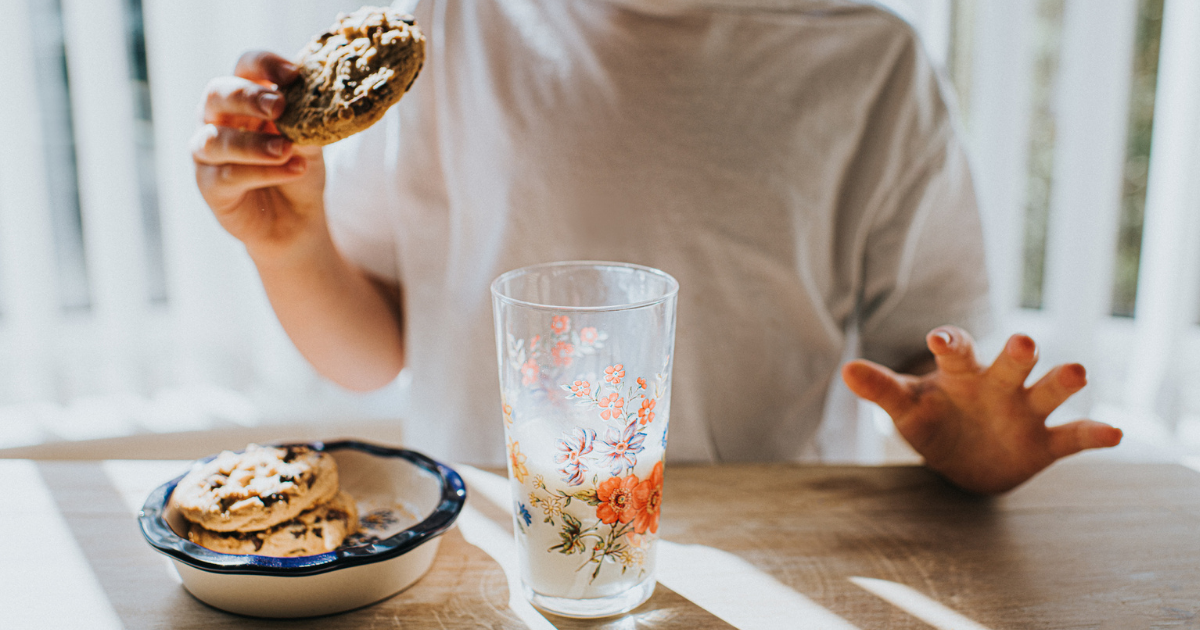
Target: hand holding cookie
(265, 187)
(264, 191)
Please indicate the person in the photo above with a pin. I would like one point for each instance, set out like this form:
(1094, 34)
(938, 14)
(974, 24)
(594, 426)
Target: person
(792, 162)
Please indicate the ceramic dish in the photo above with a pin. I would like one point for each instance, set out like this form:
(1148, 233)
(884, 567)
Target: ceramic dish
(405, 501)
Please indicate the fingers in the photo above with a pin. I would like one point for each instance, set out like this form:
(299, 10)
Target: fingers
(249, 101)
(260, 65)
(1073, 437)
(221, 145)
(224, 184)
(879, 385)
(1056, 387)
(1015, 362)
(235, 98)
(953, 349)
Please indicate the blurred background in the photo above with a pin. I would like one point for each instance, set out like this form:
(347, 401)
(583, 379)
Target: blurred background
(125, 311)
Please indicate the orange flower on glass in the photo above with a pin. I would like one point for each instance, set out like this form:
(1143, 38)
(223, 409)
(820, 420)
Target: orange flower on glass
(516, 461)
(613, 406)
(646, 413)
(647, 499)
(614, 373)
(582, 389)
(616, 499)
(529, 372)
(507, 414)
(641, 382)
(588, 335)
(562, 352)
(559, 324)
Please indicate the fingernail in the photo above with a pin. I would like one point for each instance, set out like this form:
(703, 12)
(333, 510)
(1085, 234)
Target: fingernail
(267, 103)
(1019, 344)
(289, 67)
(944, 336)
(275, 146)
(296, 165)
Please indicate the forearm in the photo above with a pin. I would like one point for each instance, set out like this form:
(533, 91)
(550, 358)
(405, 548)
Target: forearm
(336, 316)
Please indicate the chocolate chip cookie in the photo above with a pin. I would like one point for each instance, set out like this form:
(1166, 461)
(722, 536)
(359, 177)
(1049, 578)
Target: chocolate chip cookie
(351, 74)
(314, 531)
(256, 489)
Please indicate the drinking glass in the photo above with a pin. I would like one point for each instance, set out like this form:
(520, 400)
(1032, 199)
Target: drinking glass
(585, 353)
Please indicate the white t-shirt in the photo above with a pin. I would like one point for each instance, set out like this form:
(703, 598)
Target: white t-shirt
(792, 163)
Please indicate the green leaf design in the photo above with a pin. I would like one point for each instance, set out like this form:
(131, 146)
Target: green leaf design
(571, 536)
(588, 496)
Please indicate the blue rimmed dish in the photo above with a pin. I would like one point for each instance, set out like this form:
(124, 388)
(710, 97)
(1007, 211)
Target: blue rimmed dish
(405, 500)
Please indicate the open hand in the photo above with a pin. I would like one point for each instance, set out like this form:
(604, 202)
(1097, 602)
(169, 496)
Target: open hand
(980, 427)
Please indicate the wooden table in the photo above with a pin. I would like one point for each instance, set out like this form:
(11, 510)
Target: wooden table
(1086, 545)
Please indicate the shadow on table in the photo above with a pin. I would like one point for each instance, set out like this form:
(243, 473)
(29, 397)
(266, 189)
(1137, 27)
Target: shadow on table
(824, 525)
(664, 609)
(465, 588)
(1077, 546)
(1083, 544)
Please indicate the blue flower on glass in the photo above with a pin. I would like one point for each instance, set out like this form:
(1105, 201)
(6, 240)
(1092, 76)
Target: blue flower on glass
(620, 449)
(665, 428)
(572, 449)
(523, 512)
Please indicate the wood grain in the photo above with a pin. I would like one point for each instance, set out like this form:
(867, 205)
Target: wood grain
(1085, 545)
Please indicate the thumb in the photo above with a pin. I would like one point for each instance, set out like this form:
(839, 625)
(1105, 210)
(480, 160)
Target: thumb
(1072, 437)
(879, 385)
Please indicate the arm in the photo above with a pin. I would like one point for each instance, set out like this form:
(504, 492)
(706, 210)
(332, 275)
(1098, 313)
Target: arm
(268, 194)
(981, 427)
(344, 322)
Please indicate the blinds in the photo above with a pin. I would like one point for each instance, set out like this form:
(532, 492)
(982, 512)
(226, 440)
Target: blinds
(119, 291)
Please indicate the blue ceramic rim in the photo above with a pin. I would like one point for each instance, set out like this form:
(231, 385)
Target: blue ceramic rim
(454, 494)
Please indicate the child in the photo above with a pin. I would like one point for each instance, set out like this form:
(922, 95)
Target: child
(791, 162)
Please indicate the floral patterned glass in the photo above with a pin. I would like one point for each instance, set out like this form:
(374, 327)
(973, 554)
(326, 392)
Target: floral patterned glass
(585, 382)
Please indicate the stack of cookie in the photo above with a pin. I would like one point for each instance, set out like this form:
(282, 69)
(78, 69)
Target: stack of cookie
(269, 501)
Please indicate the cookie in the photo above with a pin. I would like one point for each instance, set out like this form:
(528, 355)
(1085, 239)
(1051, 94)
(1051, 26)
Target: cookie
(351, 74)
(256, 489)
(321, 529)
